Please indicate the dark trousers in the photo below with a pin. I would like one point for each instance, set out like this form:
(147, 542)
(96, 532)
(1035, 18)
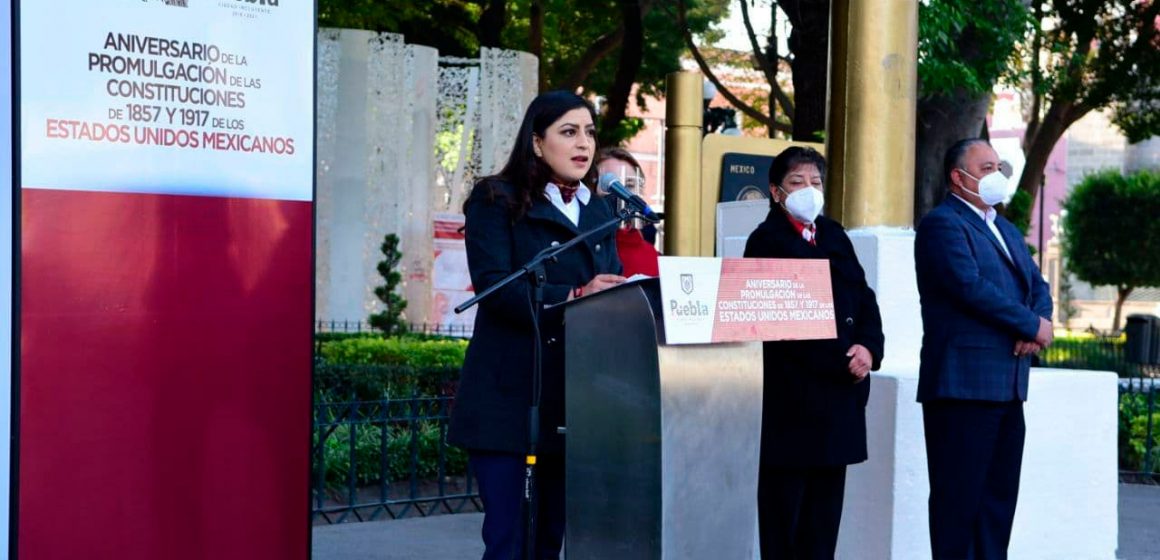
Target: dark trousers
(501, 487)
(974, 452)
(799, 510)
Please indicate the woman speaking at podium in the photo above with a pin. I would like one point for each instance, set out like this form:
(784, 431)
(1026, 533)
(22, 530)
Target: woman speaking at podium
(541, 198)
(814, 402)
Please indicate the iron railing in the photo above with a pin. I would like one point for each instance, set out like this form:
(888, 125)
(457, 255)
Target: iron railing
(386, 457)
(331, 327)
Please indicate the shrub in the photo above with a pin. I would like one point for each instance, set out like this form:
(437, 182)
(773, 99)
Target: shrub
(417, 353)
(1133, 439)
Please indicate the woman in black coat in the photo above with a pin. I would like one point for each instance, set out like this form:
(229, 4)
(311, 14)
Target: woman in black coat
(814, 402)
(539, 199)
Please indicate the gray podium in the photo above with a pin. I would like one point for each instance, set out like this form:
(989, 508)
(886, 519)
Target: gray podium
(661, 441)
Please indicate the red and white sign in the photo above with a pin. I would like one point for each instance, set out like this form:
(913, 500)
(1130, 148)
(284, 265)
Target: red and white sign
(451, 280)
(166, 153)
(710, 300)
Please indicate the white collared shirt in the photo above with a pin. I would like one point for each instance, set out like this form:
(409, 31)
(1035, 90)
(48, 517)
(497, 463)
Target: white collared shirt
(989, 218)
(571, 209)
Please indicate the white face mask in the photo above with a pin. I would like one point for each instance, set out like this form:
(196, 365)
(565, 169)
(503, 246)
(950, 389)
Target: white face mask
(804, 204)
(992, 187)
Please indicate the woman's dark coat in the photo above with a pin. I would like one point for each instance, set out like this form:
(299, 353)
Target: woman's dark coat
(813, 412)
(491, 405)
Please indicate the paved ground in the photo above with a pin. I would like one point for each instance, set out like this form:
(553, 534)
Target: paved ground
(455, 537)
(1139, 522)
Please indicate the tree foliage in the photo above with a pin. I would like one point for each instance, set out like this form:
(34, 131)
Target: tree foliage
(581, 45)
(964, 49)
(448, 25)
(583, 49)
(1089, 55)
(969, 46)
(1111, 232)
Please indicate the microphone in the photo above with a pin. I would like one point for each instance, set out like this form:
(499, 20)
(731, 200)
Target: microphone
(611, 185)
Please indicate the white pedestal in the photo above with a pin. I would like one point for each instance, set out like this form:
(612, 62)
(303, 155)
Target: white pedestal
(1067, 495)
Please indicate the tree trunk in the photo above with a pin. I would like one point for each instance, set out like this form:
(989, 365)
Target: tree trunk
(536, 39)
(941, 121)
(592, 56)
(631, 56)
(1038, 148)
(810, 44)
(1122, 293)
(491, 24)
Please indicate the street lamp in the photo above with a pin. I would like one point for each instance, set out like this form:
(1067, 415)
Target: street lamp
(722, 120)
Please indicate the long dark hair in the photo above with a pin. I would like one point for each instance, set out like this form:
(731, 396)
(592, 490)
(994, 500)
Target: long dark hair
(526, 172)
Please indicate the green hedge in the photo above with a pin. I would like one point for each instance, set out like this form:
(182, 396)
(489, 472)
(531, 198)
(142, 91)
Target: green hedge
(374, 368)
(410, 351)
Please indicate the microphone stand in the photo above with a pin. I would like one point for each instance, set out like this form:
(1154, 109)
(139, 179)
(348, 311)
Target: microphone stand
(536, 273)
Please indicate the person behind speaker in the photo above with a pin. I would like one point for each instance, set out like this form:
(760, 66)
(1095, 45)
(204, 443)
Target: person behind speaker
(814, 402)
(541, 198)
(638, 255)
(986, 311)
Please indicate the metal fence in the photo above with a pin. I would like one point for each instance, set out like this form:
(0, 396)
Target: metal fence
(331, 327)
(1100, 354)
(386, 457)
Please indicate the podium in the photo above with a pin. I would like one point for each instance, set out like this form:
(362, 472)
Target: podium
(662, 441)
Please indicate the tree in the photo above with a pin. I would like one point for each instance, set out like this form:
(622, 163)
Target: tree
(390, 319)
(1111, 232)
(607, 47)
(602, 48)
(964, 49)
(767, 59)
(448, 25)
(1089, 55)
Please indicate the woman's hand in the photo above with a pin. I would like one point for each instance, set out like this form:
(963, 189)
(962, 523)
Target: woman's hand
(860, 361)
(602, 282)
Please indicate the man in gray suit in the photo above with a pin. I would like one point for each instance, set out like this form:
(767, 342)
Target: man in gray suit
(985, 311)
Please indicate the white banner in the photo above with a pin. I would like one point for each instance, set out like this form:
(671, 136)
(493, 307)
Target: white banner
(711, 300)
(168, 97)
(6, 257)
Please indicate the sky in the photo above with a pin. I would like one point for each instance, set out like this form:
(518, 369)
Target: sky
(734, 27)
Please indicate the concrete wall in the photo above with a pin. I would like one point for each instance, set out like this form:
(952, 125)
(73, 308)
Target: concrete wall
(1093, 143)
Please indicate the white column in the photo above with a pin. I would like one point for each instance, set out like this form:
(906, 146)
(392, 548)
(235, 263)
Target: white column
(415, 219)
(376, 113)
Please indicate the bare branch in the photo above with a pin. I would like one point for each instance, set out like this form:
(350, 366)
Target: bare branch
(728, 95)
(758, 53)
(763, 63)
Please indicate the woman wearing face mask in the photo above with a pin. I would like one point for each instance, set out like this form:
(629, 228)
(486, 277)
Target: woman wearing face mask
(814, 402)
(540, 198)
